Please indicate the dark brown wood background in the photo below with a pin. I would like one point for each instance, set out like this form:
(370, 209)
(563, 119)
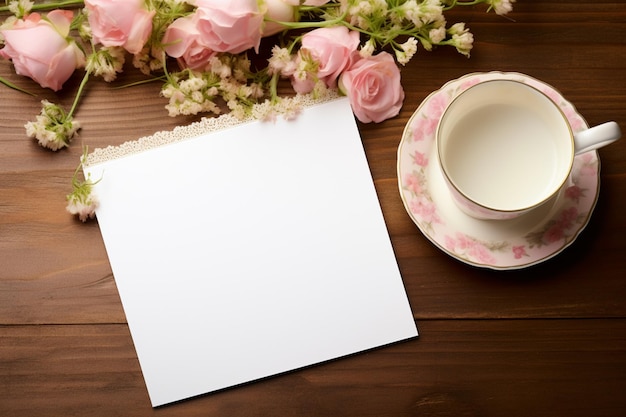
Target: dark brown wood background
(549, 340)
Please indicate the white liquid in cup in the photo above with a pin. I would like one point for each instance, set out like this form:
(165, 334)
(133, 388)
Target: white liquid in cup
(505, 146)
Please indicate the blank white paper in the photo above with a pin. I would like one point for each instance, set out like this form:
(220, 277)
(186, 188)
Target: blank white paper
(249, 252)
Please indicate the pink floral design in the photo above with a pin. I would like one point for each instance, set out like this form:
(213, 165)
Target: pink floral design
(427, 127)
(469, 247)
(413, 183)
(425, 210)
(574, 120)
(436, 107)
(557, 229)
(568, 110)
(420, 159)
(552, 94)
(469, 83)
(519, 251)
(574, 193)
(590, 164)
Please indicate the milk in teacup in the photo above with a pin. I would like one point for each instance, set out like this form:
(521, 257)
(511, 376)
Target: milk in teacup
(506, 148)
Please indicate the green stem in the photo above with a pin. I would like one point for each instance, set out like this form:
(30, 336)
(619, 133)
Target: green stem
(50, 6)
(15, 87)
(274, 87)
(308, 25)
(83, 83)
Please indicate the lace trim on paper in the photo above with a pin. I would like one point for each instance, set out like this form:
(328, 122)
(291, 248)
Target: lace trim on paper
(205, 125)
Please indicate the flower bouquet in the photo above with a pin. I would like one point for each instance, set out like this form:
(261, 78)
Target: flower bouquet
(216, 56)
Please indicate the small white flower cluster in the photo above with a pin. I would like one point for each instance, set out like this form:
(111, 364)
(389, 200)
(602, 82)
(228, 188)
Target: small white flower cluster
(106, 62)
(82, 201)
(191, 95)
(84, 208)
(52, 128)
(20, 8)
(420, 22)
(290, 107)
(190, 92)
(502, 7)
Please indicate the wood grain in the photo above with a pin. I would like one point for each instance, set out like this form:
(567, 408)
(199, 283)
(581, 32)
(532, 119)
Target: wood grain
(544, 341)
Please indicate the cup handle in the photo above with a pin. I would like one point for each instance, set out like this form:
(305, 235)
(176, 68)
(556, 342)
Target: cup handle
(596, 137)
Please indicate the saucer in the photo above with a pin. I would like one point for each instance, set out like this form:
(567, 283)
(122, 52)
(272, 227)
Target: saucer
(496, 244)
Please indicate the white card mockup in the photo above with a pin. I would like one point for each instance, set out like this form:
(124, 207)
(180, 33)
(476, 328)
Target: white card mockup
(250, 251)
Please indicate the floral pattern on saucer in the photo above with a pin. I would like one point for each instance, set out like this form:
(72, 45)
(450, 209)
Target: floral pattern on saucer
(501, 244)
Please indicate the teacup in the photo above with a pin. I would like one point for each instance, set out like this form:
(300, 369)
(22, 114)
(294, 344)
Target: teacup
(505, 148)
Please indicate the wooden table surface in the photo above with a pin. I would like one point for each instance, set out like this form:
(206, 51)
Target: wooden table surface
(549, 340)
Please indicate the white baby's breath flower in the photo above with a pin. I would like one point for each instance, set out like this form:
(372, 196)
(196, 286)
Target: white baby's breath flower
(84, 30)
(265, 111)
(290, 109)
(438, 34)
(502, 7)
(256, 90)
(106, 63)
(411, 11)
(20, 8)
(237, 110)
(409, 49)
(85, 210)
(462, 39)
(368, 48)
(147, 60)
(431, 11)
(52, 128)
(280, 61)
(82, 201)
(219, 68)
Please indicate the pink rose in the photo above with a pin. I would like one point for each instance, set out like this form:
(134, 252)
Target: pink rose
(125, 23)
(373, 86)
(40, 49)
(233, 28)
(332, 49)
(182, 41)
(276, 11)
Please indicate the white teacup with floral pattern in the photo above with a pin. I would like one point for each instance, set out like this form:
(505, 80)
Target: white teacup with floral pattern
(505, 148)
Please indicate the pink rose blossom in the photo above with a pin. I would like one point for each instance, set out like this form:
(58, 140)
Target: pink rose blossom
(374, 87)
(125, 23)
(332, 49)
(232, 28)
(277, 11)
(40, 49)
(182, 41)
